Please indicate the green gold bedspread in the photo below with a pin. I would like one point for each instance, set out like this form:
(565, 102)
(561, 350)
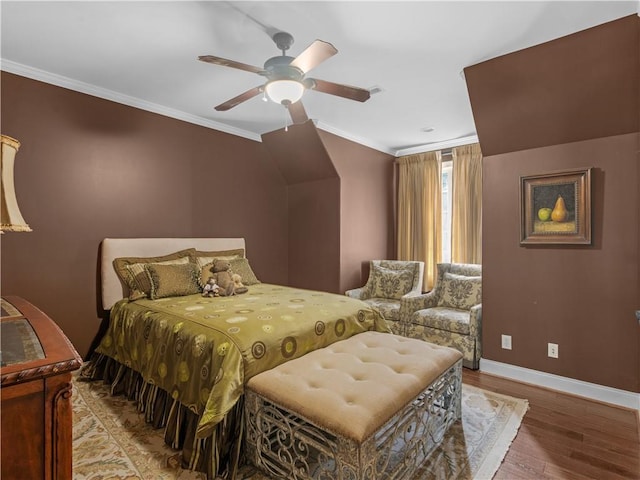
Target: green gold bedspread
(202, 350)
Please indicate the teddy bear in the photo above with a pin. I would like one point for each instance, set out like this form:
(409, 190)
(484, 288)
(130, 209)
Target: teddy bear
(211, 288)
(237, 281)
(222, 277)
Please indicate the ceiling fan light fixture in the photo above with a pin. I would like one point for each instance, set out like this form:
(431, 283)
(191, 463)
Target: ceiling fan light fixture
(284, 91)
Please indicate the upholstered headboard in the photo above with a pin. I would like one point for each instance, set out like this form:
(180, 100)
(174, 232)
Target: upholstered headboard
(112, 248)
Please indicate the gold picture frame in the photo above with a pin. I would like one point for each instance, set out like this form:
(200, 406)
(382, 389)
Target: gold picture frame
(556, 208)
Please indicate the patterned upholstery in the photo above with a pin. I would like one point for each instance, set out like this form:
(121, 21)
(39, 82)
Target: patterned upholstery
(389, 282)
(443, 318)
(433, 317)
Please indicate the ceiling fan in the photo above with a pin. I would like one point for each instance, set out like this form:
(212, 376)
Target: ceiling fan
(286, 81)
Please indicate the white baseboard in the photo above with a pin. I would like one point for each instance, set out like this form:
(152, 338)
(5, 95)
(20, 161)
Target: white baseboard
(593, 391)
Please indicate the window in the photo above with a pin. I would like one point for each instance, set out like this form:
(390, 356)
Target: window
(447, 191)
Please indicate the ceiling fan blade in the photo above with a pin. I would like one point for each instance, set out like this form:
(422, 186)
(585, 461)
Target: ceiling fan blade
(314, 55)
(230, 63)
(345, 91)
(243, 97)
(265, 27)
(297, 112)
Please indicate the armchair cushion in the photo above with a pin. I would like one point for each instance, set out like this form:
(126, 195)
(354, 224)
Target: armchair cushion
(460, 292)
(443, 318)
(390, 282)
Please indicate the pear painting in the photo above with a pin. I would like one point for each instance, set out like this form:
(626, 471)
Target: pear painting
(559, 213)
(556, 207)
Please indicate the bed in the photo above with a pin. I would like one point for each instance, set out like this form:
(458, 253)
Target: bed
(185, 358)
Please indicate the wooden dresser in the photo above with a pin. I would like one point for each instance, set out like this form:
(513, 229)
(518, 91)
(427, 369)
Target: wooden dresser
(36, 361)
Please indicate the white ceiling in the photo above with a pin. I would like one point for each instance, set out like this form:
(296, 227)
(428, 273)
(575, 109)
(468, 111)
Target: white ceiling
(145, 54)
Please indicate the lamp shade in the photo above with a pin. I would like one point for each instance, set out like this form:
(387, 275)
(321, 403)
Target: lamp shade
(11, 218)
(284, 91)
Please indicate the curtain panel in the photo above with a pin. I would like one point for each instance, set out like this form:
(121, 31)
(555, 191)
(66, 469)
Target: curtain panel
(419, 211)
(466, 211)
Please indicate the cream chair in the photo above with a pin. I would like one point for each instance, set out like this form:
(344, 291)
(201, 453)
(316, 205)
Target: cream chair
(389, 282)
(451, 313)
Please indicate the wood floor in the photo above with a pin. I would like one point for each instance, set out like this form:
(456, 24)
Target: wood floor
(566, 437)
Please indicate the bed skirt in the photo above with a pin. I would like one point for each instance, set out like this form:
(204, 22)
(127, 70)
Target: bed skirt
(217, 455)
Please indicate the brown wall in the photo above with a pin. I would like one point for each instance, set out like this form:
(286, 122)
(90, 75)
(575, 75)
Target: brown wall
(579, 87)
(299, 153)
(340, 197)
(314, 234)
(89, 168)
(569, 103)
(582, 298)
(366, 207)
(313, 193)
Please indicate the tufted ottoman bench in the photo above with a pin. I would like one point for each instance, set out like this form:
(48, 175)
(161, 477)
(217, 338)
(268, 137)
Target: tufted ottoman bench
(373, 406)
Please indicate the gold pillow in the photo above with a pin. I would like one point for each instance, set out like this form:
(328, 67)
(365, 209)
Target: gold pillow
(460, 291)
(131, 272)
(241, 267)
(172, 280)
(202, 258)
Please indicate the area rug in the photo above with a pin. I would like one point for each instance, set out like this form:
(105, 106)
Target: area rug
(112, 441)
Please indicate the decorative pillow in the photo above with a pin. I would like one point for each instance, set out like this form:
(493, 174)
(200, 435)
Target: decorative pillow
(241, 266)
(202, 258)
(461, 292)
(390, 282)
(172, 280)
(131, 271)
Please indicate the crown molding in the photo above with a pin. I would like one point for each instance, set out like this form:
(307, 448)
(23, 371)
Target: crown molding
(362, 141)
(86, 88)
(430, 147)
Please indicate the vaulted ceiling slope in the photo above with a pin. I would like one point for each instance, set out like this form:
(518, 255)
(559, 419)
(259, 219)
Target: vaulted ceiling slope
(412, 54)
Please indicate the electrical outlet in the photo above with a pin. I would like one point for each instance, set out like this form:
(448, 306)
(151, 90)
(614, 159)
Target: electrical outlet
(506, 342)
(552, 350)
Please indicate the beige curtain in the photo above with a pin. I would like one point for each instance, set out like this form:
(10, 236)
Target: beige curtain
(466, 214)
(419, 211)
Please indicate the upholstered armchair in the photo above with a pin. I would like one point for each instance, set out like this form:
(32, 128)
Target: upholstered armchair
(389, 282)
(451, 313)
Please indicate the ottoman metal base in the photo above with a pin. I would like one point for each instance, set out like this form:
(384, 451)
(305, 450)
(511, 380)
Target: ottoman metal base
(285, 445)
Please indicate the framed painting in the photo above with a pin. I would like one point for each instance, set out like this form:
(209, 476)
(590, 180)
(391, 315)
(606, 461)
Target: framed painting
(555, 208)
